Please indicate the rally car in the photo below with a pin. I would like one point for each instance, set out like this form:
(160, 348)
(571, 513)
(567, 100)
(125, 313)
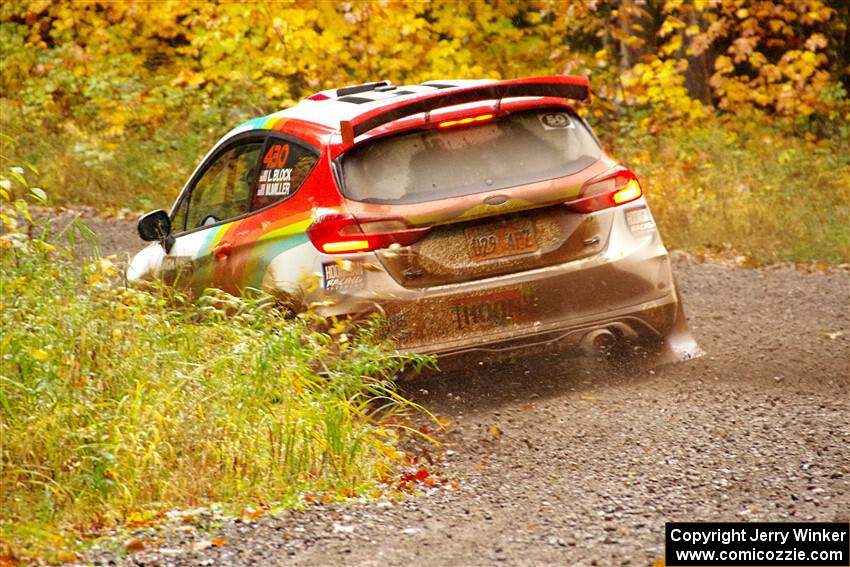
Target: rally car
(474, 215)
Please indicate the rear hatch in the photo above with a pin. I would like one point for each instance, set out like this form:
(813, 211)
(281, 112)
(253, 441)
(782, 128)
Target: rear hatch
(497, 245)
(491, 191)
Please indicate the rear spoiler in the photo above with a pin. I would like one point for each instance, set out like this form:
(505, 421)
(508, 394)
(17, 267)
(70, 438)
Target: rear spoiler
(563, 86)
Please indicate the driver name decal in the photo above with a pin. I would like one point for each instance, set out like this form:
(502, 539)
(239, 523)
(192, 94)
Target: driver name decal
(274, 182)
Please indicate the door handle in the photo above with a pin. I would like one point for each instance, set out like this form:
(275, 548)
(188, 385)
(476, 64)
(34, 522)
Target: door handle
(222, 251)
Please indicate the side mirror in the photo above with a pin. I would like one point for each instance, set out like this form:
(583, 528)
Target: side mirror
(156, 226)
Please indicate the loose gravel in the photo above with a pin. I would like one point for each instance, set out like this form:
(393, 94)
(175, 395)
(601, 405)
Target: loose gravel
(571, 461)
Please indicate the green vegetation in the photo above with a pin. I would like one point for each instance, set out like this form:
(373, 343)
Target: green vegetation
(752, 189)
(141, 170)
(115, 400)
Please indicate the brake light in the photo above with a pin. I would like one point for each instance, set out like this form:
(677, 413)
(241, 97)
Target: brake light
(345, 246)
(608, 190)
(464, 121)
(627, 194)
(342, 234)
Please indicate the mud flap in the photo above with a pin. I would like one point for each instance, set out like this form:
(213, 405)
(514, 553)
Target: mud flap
(679, 344)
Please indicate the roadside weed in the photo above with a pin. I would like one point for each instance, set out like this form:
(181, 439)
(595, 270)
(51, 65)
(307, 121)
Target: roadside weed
(116, 399)
(753, 189)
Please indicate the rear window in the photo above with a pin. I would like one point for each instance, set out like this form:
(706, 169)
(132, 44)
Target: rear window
(435, 164)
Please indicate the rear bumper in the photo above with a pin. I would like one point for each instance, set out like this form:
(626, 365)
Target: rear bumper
(633, 296)
(627, 288)
(632, 322)
(547, 304)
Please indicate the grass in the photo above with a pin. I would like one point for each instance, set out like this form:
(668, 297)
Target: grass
(116, 400)
(749, 188)
(141, 169)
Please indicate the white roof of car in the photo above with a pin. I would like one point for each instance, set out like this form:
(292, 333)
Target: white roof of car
(331, 110)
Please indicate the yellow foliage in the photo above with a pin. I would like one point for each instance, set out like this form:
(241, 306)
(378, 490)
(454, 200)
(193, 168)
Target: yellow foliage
(120, 66)
(660, 84)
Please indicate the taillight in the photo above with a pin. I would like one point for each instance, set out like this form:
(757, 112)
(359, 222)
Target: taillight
(343, 234)
(614, 188)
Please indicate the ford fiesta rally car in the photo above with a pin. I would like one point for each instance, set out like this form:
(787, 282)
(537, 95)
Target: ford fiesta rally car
(475, 215)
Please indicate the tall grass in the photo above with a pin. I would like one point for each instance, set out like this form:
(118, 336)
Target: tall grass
(115, 399)
(140, 169)
(753, 188)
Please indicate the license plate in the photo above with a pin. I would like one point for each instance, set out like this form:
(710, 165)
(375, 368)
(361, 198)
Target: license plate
(500, 240)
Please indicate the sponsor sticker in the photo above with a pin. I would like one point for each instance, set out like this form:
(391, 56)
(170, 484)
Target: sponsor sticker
(342, 275)
(556, 121)
(492, 310)
(175, 263)
(177, 270)
(640, 220)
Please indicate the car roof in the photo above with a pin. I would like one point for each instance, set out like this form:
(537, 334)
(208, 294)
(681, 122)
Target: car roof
(327, 109)
(344, 113)
(318, 117)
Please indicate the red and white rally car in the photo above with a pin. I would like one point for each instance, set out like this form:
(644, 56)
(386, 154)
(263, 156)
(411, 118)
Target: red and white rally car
(473, 214)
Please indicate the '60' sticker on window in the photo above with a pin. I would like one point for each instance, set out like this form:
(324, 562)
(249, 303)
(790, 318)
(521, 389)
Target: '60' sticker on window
(275, 177)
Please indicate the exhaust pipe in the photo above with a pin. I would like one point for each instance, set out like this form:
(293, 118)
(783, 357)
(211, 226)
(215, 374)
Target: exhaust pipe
(598, 341)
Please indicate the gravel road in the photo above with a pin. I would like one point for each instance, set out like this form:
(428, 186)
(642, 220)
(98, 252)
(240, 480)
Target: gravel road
(570, 461)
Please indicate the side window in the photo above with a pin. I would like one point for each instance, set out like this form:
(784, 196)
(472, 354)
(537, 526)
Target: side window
(224, 189)
(284, 167)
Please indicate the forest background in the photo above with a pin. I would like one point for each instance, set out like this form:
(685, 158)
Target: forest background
(734, 112)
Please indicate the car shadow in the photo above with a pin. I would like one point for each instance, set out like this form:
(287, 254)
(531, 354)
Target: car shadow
(479, 382)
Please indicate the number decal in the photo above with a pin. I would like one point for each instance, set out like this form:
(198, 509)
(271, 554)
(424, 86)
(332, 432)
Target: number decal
(270, 158)
(276, 156)
(283, 155)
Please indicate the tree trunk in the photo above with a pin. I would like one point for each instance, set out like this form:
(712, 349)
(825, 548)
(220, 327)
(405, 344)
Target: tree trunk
(699, 66)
